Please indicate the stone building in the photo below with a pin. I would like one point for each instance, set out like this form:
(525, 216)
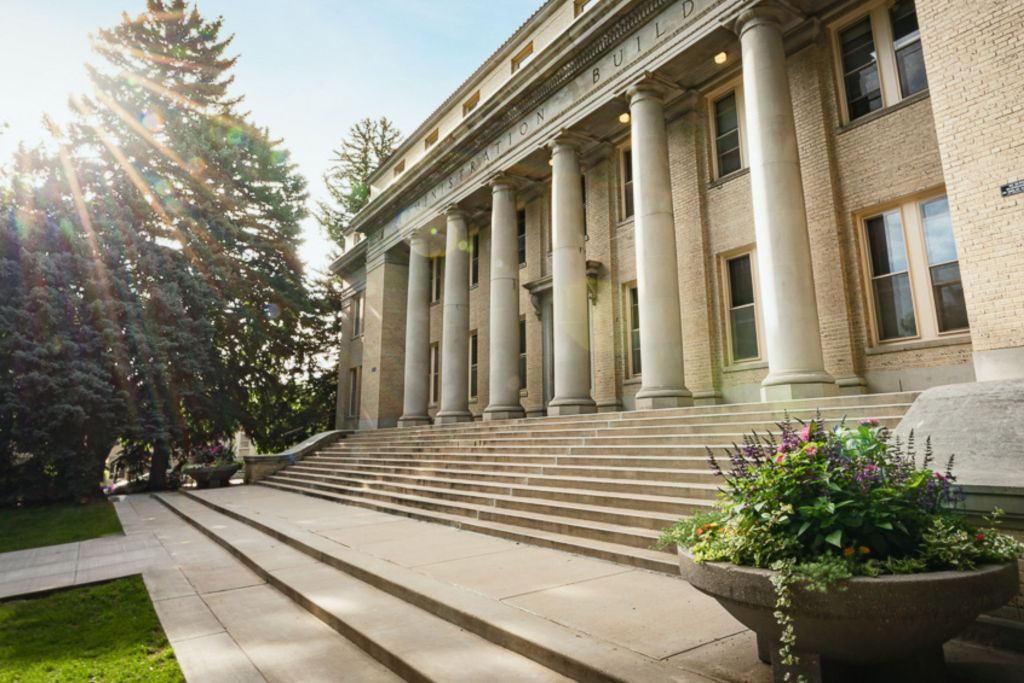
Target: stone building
(653, 203)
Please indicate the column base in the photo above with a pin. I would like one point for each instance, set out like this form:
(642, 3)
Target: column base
(654, 399)
(453, 417)
(572, 406)
(512, 412)
(709, 397)
(413, 420)
(853, 385)
(798, 385)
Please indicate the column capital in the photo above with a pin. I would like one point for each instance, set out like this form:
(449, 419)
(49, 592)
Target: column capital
(759, 12)
(455, 211)
(651, 85)
(569, 139)
(502, 182)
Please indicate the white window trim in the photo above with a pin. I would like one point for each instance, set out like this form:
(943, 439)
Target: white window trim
(473, 395)
(921, 293)
(734, 85)
(474, 250)
(355, 391)
(726, 289)
(434, 396)
(620, 153)
(888, 71)
(436, 279)
(628, 317)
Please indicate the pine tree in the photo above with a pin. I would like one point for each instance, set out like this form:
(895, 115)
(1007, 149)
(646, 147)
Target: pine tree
(207, 208)
(368, 143)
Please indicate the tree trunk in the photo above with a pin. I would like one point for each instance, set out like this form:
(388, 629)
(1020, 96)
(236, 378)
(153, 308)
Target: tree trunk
(158, 467)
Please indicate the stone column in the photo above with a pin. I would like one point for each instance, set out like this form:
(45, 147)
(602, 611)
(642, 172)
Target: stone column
(796, 367)
(455, 323)
(569, 285)
(417, 337)
(657, 270)
(504, 313)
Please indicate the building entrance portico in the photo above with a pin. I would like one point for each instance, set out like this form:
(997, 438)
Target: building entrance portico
(703, 156)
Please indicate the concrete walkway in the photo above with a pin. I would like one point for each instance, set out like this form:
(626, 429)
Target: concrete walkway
(227, 624)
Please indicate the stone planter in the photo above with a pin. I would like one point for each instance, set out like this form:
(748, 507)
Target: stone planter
(212, 477)
(889, 628)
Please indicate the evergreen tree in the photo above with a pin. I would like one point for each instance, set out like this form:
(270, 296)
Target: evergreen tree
(368, 143)
(207, 208)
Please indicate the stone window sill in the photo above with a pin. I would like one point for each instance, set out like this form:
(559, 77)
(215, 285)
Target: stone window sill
(636, 379)
(884, 111)
(918, 345)
(746, 365)
(728, 178)
(625, 223)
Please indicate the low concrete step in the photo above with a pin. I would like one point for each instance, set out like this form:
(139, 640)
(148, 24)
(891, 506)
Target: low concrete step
(695, 460)
(615, 552)
(402, 636)
(544, 516)
(650, 512)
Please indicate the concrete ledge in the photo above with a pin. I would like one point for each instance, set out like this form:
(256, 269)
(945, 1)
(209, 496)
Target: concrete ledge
(259, 467)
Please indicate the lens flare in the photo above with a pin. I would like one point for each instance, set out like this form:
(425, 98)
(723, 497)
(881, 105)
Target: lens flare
(153, 120)
(272, 311)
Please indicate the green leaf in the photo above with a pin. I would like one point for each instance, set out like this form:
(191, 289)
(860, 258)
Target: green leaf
(884, 525)
(803, 528)
(835, 538)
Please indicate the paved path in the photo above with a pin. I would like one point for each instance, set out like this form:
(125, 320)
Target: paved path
(226, 624)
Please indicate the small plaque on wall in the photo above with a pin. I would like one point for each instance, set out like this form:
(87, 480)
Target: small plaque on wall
(1010, 189)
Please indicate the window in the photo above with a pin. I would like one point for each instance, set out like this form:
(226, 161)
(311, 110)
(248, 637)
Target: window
(399, 168)
(521, 235)
(474, 259)
(522, 57)
(880, 57)
(470, 104)
(727, 135)
(436, 278)
(579, 7)
(911, 300)
(473, 365)
(435, 373)
(357, 313)
(943, 266)
(583, 194)
(626, 164)
(522, 353)
(353, 391)
(429, 141)
(634, 332)
(742, 311)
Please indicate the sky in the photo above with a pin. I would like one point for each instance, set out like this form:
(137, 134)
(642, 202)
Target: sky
(308, 69)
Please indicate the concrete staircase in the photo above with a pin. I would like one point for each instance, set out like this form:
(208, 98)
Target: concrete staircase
(600, 485)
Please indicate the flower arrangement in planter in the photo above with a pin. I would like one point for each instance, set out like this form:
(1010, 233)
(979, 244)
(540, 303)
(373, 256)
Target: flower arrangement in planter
(839, 550)
(211, 466)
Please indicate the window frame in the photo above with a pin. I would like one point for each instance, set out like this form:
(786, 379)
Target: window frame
(727, 308)
(399, 168)
(579, 7)
(434, 389)
(523, 57)
(355, 392)
(524, 363)
(732, 86)
(358, 308)
(436, 279)
(885, 58)
(431, 139)
(521, 243)
(473, 357)
(470, 103)
(474, 259)
(625, 151)
(926, 315)
(632, 323)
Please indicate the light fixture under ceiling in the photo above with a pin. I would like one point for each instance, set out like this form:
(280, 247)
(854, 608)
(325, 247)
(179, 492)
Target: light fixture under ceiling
(721, 58)
(624, 117)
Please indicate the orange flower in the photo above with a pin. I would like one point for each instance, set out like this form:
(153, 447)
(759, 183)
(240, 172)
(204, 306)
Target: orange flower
(847, 552)
(864, 550)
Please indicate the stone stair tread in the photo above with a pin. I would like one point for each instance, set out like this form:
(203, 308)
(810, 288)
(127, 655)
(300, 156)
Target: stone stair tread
(547, 502)
(650, 559)
(535, 516)
(577, 655)
(531, 484)
(380, 621)
(653, 471)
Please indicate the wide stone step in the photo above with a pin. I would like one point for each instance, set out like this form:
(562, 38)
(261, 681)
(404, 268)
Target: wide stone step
(421, 628)
(626, 490)
(654, 512)
(653, 461)
(699, 474)
(543, 516)
(530, 450)
(615, 552)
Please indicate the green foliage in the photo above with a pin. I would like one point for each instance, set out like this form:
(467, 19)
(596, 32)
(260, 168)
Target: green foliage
(43, 525)
(368, 143)
(107, 632)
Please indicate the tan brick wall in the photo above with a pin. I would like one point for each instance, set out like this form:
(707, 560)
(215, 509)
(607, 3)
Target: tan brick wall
(383, 346)
(973, 52)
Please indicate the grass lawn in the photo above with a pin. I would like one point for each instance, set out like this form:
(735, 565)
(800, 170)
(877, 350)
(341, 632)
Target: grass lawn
(104, 632)
(34, 527)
